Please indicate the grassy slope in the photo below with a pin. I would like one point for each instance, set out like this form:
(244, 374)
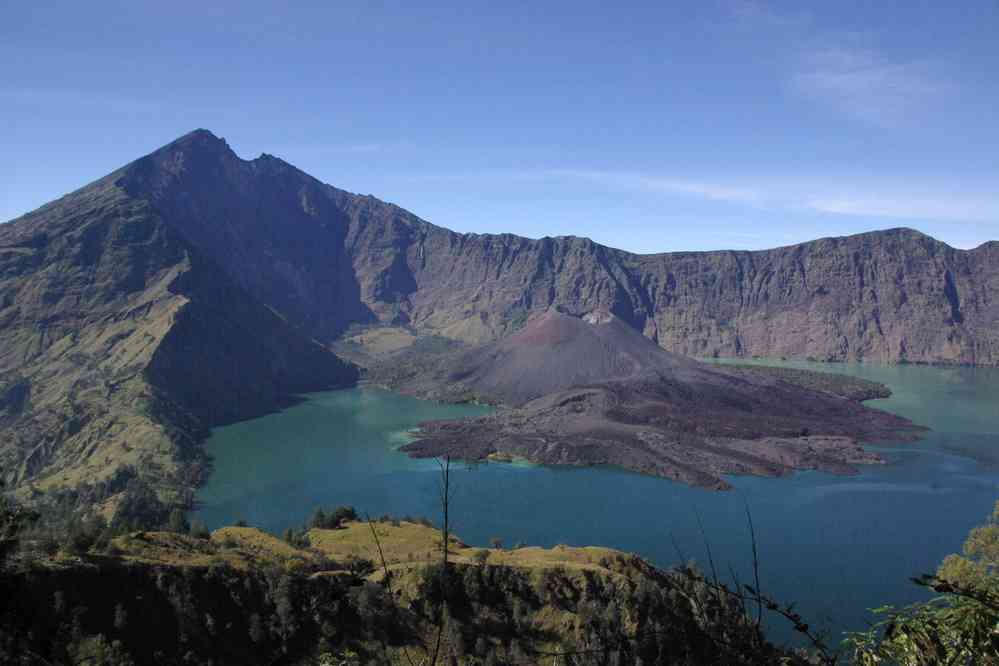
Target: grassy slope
(120, 344)
(244, 596)
(87, 280)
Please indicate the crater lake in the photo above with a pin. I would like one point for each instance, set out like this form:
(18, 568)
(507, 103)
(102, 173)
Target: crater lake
(835, 546)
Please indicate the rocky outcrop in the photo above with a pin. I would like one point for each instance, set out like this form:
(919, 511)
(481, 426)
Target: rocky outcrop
(592, 391)
(325, 259)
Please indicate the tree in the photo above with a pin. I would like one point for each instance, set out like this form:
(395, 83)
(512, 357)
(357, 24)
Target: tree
(319, 520)
(256, 628)
(13, 520)
(140, 508)
(957, 627)
(331, 521)
(120, 617)
(359, 566)
(178, 522)
(976, 569)
(284, 607)
(200, 530)
(343, 514)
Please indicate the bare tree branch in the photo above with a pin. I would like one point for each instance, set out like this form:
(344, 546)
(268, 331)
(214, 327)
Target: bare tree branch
(756, 567)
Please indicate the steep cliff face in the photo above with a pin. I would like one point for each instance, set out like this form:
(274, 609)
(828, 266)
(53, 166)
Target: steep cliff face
(889, 296)
(120, 343)
(280, 234)
(326, 258)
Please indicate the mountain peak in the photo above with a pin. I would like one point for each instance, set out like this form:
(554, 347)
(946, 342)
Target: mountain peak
(202, 132)
(199, 138)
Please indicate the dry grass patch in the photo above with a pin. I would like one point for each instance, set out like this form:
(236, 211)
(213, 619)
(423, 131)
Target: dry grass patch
(240, 547)
(409, 542)
(260, 544)
(166, 548)
(383, 340)
(533, 557)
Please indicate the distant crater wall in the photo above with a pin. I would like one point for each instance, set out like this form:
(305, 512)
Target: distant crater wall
(895, 296)
(327, 259)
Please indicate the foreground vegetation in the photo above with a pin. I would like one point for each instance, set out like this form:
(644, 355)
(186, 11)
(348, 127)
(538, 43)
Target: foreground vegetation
(242, 596)
(343, 590)
(959, 626)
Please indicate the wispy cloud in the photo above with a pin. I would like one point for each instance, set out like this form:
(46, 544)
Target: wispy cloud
(867, 86)
(845, 71)
(971, 207)
(922, 201)
(652, 183)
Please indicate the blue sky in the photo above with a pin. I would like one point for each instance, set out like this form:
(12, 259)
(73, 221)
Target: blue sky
(647, 126)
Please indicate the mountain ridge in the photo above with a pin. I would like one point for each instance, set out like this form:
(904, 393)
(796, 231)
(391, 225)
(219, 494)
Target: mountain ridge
(208, 136)
(888, 296)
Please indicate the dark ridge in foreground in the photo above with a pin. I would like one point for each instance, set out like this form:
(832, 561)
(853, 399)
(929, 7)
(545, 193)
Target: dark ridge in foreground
(244, 597)
(590, 391)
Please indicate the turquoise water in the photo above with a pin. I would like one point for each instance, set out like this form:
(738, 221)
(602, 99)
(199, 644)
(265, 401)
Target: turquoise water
(836, 546)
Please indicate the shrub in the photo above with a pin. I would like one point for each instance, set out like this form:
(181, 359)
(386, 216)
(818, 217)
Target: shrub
(296, 539)
(199, 530)
(319, 519)
(178, 522)
(359, 566)
(140, 508)
(343, 514)
(331, 521)
(956, 627)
